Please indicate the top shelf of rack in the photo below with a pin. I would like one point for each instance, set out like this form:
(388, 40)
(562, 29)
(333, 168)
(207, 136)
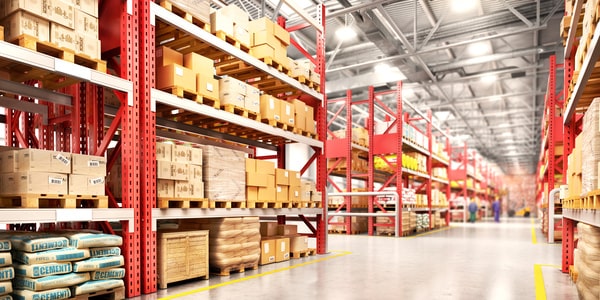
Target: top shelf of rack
(275, 81)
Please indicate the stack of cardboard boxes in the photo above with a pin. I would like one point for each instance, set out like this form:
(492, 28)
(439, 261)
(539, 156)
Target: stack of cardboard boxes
(306, 69)
(224, 174)
(68, 24)
(233, 22)
(278, 241)
(309, 193)
(199, 9)
(269, 40)
(294, 113)
(239, 94)
(204, 68)
(265, 183)
(179, 171)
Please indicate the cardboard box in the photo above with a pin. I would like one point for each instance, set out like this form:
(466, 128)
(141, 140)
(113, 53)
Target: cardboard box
(59, 12)
(256, 179)
(88, 6)
(282, 193)
(294, 193)
(294, 178)
(252, 193)
(281, 34)
(183, 189)
(7, 183)
(287, 113)
(175, 75)
(282, 249)
(26, 23)
(299, 114)
(182, 154)
(299, 70)
(267, 252)
(265, 167)
(40, 183)
(268, 228)
(252, 100)
(310, 120)
(8, 161)
(199, 64)
(315, 77)
(195, 173)
(264, 38)
(263, 24)
(196, 189)
(282, 177)
(280, 56)
(163, 170)
(317, 197)
(195, 156)
(233, 99)
(306, 193)
(207, 86)
(86, 24)
(242, 35)
(270, 108)
(88, 165)
(37, 160)
(165, 188)
(180, 171)
(166, 56)
(163, 151)
(232, 86)
(298, 243)
(287, 230)
(86, 185)
(221, 23)
(62, 36)
(267, 194)
(87, 45)
(234, 12)
(271, 181)
(263, 51)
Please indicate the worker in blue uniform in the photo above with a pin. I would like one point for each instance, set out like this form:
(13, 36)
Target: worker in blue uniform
(473, 211)
(496, 209)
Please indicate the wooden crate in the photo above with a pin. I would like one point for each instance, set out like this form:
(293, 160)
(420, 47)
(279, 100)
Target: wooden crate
(182, 255)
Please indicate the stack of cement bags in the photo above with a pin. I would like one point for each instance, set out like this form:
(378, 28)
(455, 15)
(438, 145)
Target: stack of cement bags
(587, 261)
(6, 270)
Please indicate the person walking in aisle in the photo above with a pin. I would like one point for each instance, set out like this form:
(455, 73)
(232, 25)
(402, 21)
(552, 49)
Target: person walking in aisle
(472, 211)
(496, 208)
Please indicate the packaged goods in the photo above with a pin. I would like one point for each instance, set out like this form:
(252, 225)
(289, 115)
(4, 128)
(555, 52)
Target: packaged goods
(93, 240)
(5, 287)
(38, 242)
(224, 174)
(5, 245)
(115, 273)
(96, 285)
(7, 273)
(50, 282)
(105, 251)
(41, 270)
(57, 255)
(98, 263)
(5, 259)
(56, 294)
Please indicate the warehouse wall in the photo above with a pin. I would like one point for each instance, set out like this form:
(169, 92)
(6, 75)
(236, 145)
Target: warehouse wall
(521, 192)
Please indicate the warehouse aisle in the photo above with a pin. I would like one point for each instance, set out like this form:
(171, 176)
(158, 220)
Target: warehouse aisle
(466, 261)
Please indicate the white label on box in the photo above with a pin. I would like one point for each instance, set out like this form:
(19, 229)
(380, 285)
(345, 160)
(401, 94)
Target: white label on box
(271, 258)
(209, 87)
(296, 193)
(54, 180)
(93, 163)
(267, 248)
(178, 71)
(272, 104)
(288, 110)
(278, 189)
(298, 175)
(286, 174)
(283, 247)
(95, 181)
(63, 159)
(291, 121)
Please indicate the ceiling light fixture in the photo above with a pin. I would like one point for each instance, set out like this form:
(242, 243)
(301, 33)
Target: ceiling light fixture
(479, 48)
(382, 68)
(346, 32)
(490, 78)
(463, 5)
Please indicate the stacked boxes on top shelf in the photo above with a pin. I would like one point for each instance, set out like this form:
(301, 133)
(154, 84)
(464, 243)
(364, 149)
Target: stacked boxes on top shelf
(239, 94)
(269, 41)
(71, 25)
(231, 22)
(178, 172)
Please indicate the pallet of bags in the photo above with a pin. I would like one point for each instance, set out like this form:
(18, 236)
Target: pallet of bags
(588, 262)
(6, 269)
(250, 238)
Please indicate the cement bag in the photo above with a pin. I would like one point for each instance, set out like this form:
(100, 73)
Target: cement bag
(5, 259)
(37, 243)
(55, 294)
(105, 251)
(225, 248)
(94, 240)
(58, 255)
(115, 273)
(576, 259)
(5, 245)
(6, 297)
(7, 273)
(50, 282)
(96, 285)
(251, 258)
(592, 239)
(41, 270)
(98, 263)
(5, 287)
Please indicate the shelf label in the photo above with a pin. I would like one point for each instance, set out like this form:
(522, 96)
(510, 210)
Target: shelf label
(68, 215)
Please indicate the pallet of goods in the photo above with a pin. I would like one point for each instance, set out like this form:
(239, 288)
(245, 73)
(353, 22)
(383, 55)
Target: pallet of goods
(585, 261)
(224, 176)
(277, 240)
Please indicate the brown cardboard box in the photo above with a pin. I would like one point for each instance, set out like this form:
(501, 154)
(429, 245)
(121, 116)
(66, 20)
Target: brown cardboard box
(7, 183)
(88, 6)
(166, 56)
(252, 100)
(87, 45)
(88, 165)
(280, 56)
(298, 243)
(175, 75)
(282, 193)
(268, 228)
(31, 6)
(263, 24)
(299, 69)
(182, 154)
(264, 38)
(282, 177)
(250, 165)
(37, 160)
(271, 181)
(252, 193)
(242, 35)
(165, 188)
(282, 34)
(62, 36)
(287, 113)
(86, 24)
(230, 85)
(54, 11)
(306, 192)
(267, 252)
(197, 8)
(256, 179)
(263, 51)
(267, 194)
(199, 64)
(265, 167)
(282, 249)
(238, 15)
(286, 230)
(86, 185)
(294, 193)
(294, 178)
(310, 120)
(163, 170)
(180, 171)
(221, 23)
(208, 86)
(163, 151)
(270, 108)
(317, 197)
(315, 77)
(40, 183)
(195, 173)
(300, 114)
(196, 189)
(233, 99)
(8, 161)
(195, 156)
(183, 189)
(26, 23)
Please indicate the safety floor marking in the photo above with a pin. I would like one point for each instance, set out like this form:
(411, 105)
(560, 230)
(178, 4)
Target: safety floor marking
(222, 284)
(540, 289)
(429, 232)
(533, 235)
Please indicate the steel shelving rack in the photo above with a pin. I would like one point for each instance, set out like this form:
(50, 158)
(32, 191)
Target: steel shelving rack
(391, 141)
(69, 116)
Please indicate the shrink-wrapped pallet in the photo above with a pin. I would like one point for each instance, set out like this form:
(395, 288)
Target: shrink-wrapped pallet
(224, 174)
(591, 147)
(587, 262)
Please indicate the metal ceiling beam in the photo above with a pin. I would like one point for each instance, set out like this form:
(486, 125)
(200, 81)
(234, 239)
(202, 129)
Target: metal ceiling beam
(354, 8)
(517, 13)
(485, 59)
(484, 99)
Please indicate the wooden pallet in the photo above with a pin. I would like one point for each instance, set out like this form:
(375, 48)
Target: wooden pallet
(227, 204)
(181, 12)
(110, 294)
(302, 79)
(182, 93)
(287, 204)
(226, 271)
(175, 202)
(38, 201)
(206, 100)
(241, 111)
(232, 41)
(263, 204)
(303, 253)
(573, 273)
(275, 123)
(591, 200)
(91, 201)
(344, 231)
(281, 67)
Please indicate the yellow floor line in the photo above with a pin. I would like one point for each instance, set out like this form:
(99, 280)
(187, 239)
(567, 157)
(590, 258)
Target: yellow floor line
(428, 232)
(339, 254)
(540, 289)
(533, 235)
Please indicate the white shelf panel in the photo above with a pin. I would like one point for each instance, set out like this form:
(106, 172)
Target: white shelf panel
(45, 215)
(191, 106)
(170, 18)
(589, 216)
(42, 61)
(439, 159)
(444, 181)
(405, 170)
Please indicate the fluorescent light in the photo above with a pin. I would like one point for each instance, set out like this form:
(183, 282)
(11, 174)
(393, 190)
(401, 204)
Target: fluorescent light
(345, 33)
(490, 78)
(463, 5)
(480, 48)
(382, 68)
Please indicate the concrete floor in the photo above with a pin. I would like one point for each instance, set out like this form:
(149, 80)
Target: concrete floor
(466, 261)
